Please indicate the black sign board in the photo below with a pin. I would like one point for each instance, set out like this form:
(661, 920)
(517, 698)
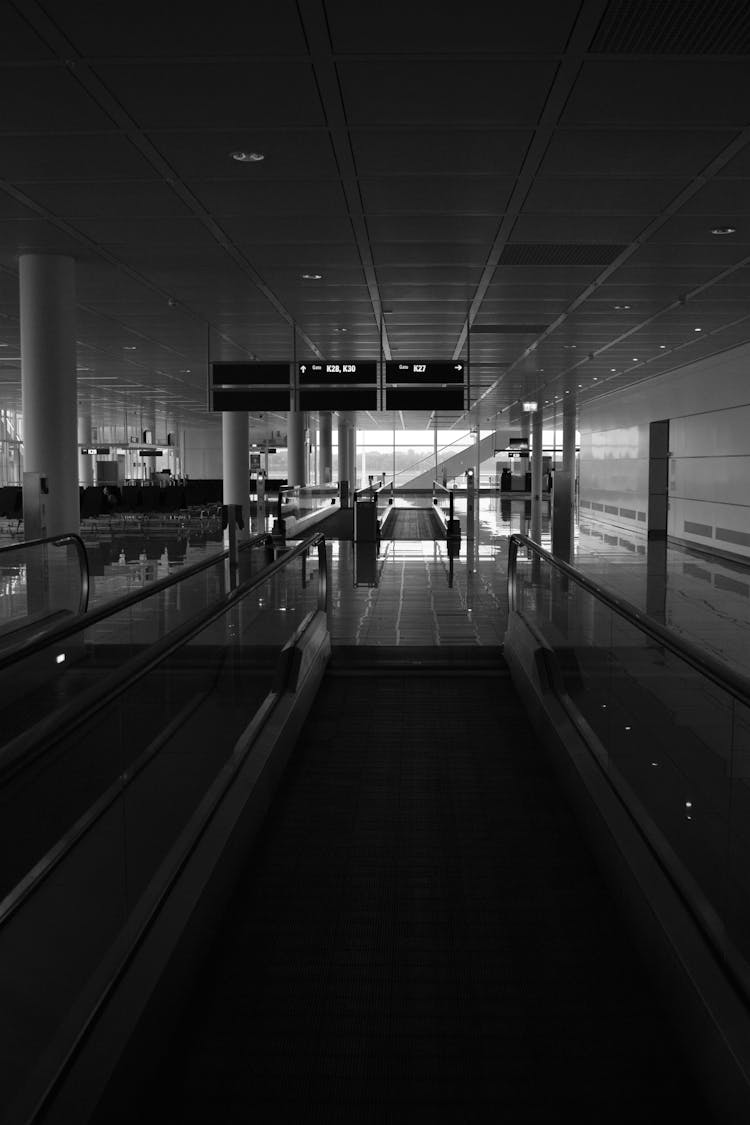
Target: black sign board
(250, 399)
(344, 373)
(338, 398)
(449, 399)
(150, 453)
(250, 386)
(93, 450)
(224, 374)
(424, 371)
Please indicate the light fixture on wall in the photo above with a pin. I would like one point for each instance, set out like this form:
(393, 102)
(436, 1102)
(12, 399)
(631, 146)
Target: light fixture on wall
(242, 156)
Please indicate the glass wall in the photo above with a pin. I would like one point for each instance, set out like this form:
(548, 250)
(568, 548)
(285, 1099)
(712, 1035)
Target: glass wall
(11, 437)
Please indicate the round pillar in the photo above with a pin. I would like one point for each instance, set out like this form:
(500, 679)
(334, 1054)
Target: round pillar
(535, 530)
(325, 448)
(48, 389)
(296, 447)
(235, 465)
(348, 448)
(85, 461)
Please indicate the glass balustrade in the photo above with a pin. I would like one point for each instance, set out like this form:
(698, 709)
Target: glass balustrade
(96, 818)
(670, 726)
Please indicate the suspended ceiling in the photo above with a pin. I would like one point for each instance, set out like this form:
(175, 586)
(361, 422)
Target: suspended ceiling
(531, 187)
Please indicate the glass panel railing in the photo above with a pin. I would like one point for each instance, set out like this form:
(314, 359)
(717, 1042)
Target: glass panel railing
(669, 724)
(296, 502)
(37, 679)
(41, 581)
(113, 795)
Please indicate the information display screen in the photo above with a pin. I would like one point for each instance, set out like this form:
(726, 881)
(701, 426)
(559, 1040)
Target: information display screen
(319, 373)
(424, 371)
(224, 374)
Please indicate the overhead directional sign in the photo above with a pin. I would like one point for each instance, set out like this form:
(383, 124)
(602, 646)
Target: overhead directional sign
(425, 385)
(225, 374)
(346, 373)
(338, 385)
(249, 386)
(424, 371)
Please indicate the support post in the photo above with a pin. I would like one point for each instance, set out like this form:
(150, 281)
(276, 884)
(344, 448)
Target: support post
(48, 388)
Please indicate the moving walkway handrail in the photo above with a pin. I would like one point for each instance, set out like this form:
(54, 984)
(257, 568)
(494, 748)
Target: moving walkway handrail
(708, 665)
(108, 609)
(436, 484)
(27, 746)
(369, 490)
(61, 541)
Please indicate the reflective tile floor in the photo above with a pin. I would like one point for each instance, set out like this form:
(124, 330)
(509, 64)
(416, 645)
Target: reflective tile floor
(417, 600)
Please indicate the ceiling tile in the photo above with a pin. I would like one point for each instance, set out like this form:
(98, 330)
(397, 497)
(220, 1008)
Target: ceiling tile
(110, 200)
(664, 90)
(423, 26)
(47, 100)
(487, 152)
(478, 92)
(462, 194)
(214, 95)
(262, 28)
(298, 154)
(627, 152)
(226, 197)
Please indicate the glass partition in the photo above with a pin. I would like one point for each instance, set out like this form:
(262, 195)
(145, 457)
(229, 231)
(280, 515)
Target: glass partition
(668, 724)
(88, 848)
(305, 500)
(36, 681)
(41, 581)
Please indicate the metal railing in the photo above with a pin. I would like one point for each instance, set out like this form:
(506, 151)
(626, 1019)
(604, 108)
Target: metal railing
(720, 673)
(667, 723)
(38, 547)
(67, 629)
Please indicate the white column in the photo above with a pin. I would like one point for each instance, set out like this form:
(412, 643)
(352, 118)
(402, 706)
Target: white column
(563, 512)
(85, 463)
(295, 447)
(348, 448)
(325, 455)
(536, 475)
(235, 465)
(48, 383)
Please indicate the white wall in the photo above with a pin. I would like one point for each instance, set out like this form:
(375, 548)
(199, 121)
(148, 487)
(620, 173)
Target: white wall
(201, 452)
(708, 407)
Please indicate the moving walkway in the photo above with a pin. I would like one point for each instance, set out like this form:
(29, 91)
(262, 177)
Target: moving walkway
(415, 909)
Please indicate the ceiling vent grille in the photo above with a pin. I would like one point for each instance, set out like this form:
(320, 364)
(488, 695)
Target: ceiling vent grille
(674, 27)
(509, 329)
(559, 254)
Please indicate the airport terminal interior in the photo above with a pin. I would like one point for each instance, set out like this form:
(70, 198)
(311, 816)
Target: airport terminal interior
(374, 562)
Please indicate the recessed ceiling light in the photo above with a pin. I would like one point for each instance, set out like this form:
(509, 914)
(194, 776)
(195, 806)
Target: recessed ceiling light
(635, 359)
(247, 157)
(620, 307)
(613, 368)
(595, 379)
(697, 330)
(724, 230)
(312, 276)
(129, 348)
(341, 330)
(663, 347)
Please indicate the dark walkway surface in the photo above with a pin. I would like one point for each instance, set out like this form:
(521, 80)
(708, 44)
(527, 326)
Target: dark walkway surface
(414, 523)
(422, 934)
